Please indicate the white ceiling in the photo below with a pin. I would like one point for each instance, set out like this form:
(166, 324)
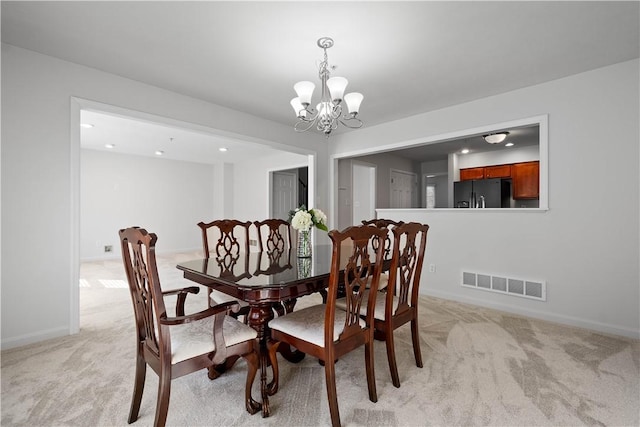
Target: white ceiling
(405, 57)
(144, 138)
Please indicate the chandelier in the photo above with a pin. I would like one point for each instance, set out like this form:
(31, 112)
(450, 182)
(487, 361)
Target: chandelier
(328, 112)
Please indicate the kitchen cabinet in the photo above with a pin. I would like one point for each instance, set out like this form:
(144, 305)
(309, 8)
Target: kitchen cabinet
(526, 180)
(471, 173)
(499, 171)
(525, 177)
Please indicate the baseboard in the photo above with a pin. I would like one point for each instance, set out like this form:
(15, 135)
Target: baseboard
(35, 337)
(550, 317)
(101, 258)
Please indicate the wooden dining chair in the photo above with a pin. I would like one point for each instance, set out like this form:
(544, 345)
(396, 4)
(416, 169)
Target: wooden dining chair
(385, 245)
(328, 333)
(274, 235)
(274, 241)
(182, 344)
(225, 240)
(400, 302)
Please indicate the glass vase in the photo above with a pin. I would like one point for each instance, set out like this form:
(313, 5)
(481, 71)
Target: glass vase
(304, 268)
(304, 244)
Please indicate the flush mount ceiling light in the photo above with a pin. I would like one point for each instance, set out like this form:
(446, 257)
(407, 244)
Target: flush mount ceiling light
(222, 149)
(159, 153)
(110, 145)
(86, 125)
(495, 138)
(328, 112)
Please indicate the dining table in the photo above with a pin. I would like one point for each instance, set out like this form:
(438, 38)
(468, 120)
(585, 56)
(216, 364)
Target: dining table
(271, 283)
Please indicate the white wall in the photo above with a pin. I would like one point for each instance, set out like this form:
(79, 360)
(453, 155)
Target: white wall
(41, 173)
(164, 196)
(586, 246)
(251, 183)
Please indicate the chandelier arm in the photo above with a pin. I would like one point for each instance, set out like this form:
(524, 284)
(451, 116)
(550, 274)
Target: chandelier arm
(309, 124)
(357, 123)
(312, 115)
(337, 110)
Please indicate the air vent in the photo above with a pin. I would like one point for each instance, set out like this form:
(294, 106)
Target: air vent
(533, 289)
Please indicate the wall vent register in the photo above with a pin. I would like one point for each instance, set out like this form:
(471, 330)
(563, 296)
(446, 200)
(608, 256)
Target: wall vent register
(533, 289)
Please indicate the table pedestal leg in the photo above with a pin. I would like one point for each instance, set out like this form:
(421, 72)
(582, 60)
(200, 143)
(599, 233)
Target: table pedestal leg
(259, 317)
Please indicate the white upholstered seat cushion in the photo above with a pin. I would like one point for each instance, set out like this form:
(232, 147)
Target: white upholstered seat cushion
(381, 298)
(220, 297)
(382, 284)
(195, 338)
(308, 324)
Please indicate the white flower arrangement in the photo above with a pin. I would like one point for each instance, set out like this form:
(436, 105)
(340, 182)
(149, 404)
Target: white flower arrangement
(302, 219)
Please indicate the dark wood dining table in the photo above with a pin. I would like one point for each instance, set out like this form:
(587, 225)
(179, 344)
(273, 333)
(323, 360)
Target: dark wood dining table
(271, 284)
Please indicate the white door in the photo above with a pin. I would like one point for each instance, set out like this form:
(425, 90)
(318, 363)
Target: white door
(285, 194)
(364, 193)
(403, 189)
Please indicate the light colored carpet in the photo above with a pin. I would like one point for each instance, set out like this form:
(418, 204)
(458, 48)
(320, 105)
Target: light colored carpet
(482, 367)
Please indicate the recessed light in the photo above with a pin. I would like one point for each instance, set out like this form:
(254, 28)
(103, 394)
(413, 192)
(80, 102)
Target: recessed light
(86, 125)
(465, 151)
(509, 144)
(431, 176)
(159, 153)
(222, 149)
(110, 145)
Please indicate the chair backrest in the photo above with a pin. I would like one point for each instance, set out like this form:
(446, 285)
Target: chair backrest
(139, 257)
(274, 235)
(387, 244)
(353, 266)
(274, 241)
(224, 237)
(223, 240)
(410, 241)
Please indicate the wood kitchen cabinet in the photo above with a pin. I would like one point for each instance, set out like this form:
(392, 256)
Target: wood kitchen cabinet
(471, 173)
(525, 177)
(526, 180)
(499, 171)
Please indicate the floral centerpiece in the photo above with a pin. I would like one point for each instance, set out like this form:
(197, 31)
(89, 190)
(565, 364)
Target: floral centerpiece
(302, 219)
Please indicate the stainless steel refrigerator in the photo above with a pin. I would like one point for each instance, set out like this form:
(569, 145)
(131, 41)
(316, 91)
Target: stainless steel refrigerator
(482, 193)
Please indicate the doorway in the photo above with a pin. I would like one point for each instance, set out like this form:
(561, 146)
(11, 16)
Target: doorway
(289, 189)
(364, 192)
(173, 236)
